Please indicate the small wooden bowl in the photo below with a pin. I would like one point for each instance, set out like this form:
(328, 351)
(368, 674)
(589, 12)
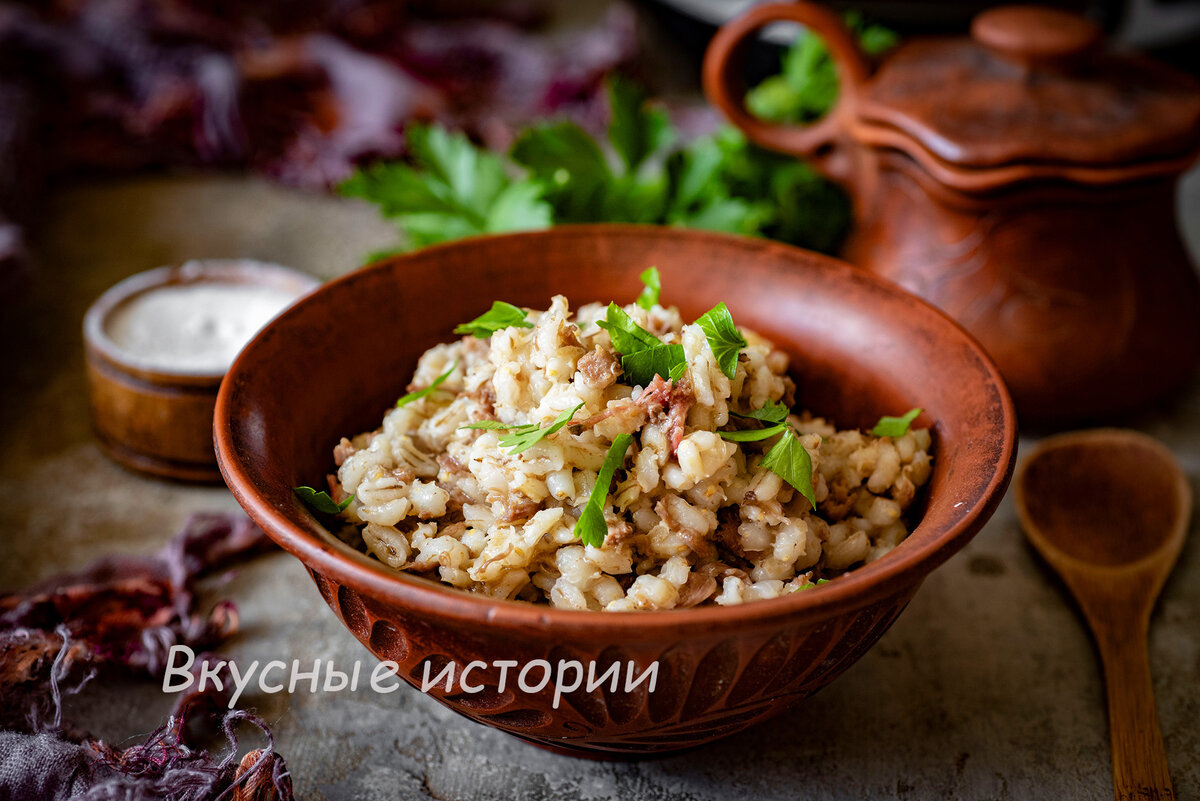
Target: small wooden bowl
(153, 420)
(859, 348)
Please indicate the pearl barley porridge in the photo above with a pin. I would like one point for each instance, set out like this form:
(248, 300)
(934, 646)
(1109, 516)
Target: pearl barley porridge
(620, 459)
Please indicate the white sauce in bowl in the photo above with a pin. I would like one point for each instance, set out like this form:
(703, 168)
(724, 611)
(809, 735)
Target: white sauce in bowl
(195, 327)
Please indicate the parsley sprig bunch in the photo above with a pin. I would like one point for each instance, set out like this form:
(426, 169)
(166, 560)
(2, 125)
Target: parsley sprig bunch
(641, 170)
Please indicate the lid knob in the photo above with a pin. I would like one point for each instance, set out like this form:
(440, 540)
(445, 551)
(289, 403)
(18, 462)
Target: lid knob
(1036, 35)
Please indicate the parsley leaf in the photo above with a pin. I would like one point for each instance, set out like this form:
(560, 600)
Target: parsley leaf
(789, 200)
(570, 165)
(643, 355)
(770, 412)
(723, 337)
(452, 189)
(637, 130)
(489, 425)
(627, 336)
(753, 434)
(641, 366)
(790, 461)
(319, 500)
(525, 437)
(558, 173)
(501, 315)
(810, 585)
(653, 288)
(895, 426)
(808, 85)
(591, 526)
(420, 393)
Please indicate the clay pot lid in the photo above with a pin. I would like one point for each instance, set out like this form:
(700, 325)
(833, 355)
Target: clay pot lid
(1030, 86)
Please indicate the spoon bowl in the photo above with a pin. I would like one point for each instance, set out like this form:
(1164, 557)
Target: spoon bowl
(1108, 498)
(1109, 510)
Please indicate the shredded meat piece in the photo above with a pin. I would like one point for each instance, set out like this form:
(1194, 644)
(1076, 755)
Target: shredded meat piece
(404, 475)
(455, 530)
(661, 394)
(599, 367)
(457, 495)
(343, 451)
(841, 498)
(904, 490)
(618, 534)
(518, 509)
(698, 589)
(335, 488)
(627, 406)
(569, 336)
(727, 535)
(485, 396)
(720, 571)
(789, 392)
(452, 465)
(700, 545)
(677, 399)
(474, 348)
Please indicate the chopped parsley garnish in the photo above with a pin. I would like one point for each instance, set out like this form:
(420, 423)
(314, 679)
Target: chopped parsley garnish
(723, 337)
(319, 500)
(626, 335)
(810, 585)
(643, 355)
(490, 425)
(524, 437)
(666, 360)
(789, 459)
(770, 412)
(591, 526)
(650, 293)
(420, 393)
(501, 315)
(753, 434)
(895, 426)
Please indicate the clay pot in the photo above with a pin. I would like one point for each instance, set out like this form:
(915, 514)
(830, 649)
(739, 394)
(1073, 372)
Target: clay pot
(859, 348)
(1023, 180)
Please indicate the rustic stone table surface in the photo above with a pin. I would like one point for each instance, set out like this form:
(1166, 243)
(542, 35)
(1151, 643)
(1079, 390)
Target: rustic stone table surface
(986, 688)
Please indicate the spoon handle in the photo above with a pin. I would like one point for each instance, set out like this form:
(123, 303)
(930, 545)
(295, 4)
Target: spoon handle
(1139, 761)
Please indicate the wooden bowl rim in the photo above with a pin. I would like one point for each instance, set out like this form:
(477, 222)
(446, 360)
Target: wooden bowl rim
(858, 588)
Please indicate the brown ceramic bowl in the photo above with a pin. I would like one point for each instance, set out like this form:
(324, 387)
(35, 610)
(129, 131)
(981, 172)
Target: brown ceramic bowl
(860, 348)
(154, 420)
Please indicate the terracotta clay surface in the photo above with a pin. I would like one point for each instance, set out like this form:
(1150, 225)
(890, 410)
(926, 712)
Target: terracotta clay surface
(1109, 510)
(1021, 179)
(154, 421)
(859, 349)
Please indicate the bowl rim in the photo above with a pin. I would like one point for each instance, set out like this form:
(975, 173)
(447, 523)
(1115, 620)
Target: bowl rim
(225, 271)
(855, 589)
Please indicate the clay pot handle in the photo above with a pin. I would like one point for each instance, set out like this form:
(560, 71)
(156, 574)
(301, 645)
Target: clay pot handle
(726, 88)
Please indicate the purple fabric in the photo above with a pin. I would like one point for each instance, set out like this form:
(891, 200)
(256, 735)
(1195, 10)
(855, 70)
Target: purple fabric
(300, 90)
(121, 615)
(34, 767)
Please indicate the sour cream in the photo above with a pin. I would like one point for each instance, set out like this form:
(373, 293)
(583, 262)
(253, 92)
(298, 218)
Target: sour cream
(193, 327)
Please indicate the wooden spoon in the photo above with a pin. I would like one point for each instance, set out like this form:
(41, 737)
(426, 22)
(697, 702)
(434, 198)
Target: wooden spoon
(1108, 509)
